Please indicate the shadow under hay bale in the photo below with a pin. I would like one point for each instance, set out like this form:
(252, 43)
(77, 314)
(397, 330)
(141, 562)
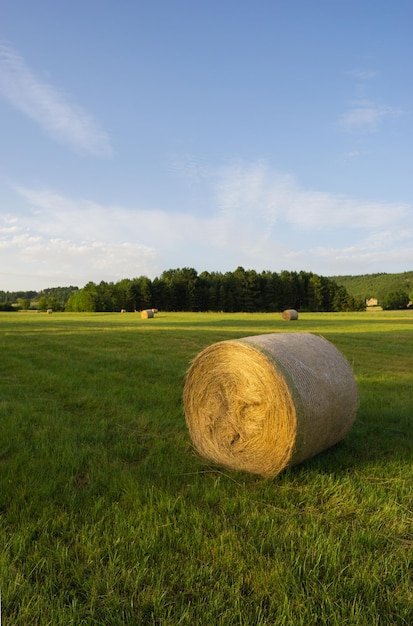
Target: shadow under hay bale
(261, 403)
(147, 314)
(290, 315)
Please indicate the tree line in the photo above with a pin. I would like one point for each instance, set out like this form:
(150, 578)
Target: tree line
(183, 289)
(52, 298)
(243, 290)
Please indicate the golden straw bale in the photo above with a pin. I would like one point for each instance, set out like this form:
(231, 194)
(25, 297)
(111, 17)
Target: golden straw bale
(290, 314)
(261, 403)
(147, 313)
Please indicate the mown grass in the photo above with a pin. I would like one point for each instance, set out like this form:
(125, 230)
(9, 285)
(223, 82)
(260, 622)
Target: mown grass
(108, 516)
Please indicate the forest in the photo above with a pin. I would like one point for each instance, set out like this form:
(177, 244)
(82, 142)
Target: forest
(183, 289)
(379, 285)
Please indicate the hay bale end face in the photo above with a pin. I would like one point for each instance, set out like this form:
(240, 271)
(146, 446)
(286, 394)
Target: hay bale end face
(147, 314)
(262, 403)
(290, 315)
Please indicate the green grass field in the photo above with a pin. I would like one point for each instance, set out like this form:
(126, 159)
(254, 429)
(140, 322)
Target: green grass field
(108, 516)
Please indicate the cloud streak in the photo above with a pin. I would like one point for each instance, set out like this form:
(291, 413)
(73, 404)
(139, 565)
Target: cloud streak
(278, 198)
(363, 114)
(259, 218)
(362, 74)
(367, 116)
(61, 119)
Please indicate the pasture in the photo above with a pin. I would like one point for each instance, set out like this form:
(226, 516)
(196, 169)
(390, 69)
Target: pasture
(109, 517)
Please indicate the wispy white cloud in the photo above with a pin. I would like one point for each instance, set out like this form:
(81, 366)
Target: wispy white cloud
(278, 198)
(363, 113)
(367, 116)
(363, 74)
(57, 215)
(273, 219)
(258, 218)
(377, 252)
(63, 120)
(53, 261)
(352, 154)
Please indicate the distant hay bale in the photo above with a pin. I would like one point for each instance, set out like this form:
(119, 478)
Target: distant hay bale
(49, 311)
(260, 404)
(154, 311)
(290, 315)
(147, 313)
(123, 310)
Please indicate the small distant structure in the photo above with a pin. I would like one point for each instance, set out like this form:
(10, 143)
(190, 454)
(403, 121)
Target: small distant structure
(372, 302)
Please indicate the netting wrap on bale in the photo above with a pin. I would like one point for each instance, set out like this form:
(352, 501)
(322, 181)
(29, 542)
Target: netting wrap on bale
(261, 403)
(290, 315)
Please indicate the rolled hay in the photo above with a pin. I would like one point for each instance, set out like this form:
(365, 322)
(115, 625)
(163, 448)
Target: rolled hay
(262, 403)
(290, 314)
(147, 313)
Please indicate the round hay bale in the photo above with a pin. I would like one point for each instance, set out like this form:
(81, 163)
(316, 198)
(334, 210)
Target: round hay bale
(261, 403)
(290, 315)
(147, 313)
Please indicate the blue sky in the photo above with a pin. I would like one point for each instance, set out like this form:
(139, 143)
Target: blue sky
(142, 136)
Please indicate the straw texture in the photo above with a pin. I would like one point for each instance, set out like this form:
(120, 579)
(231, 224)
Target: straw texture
(261, 403)
(290, 314)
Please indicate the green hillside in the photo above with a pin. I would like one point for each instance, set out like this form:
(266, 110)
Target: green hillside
(376, 285)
